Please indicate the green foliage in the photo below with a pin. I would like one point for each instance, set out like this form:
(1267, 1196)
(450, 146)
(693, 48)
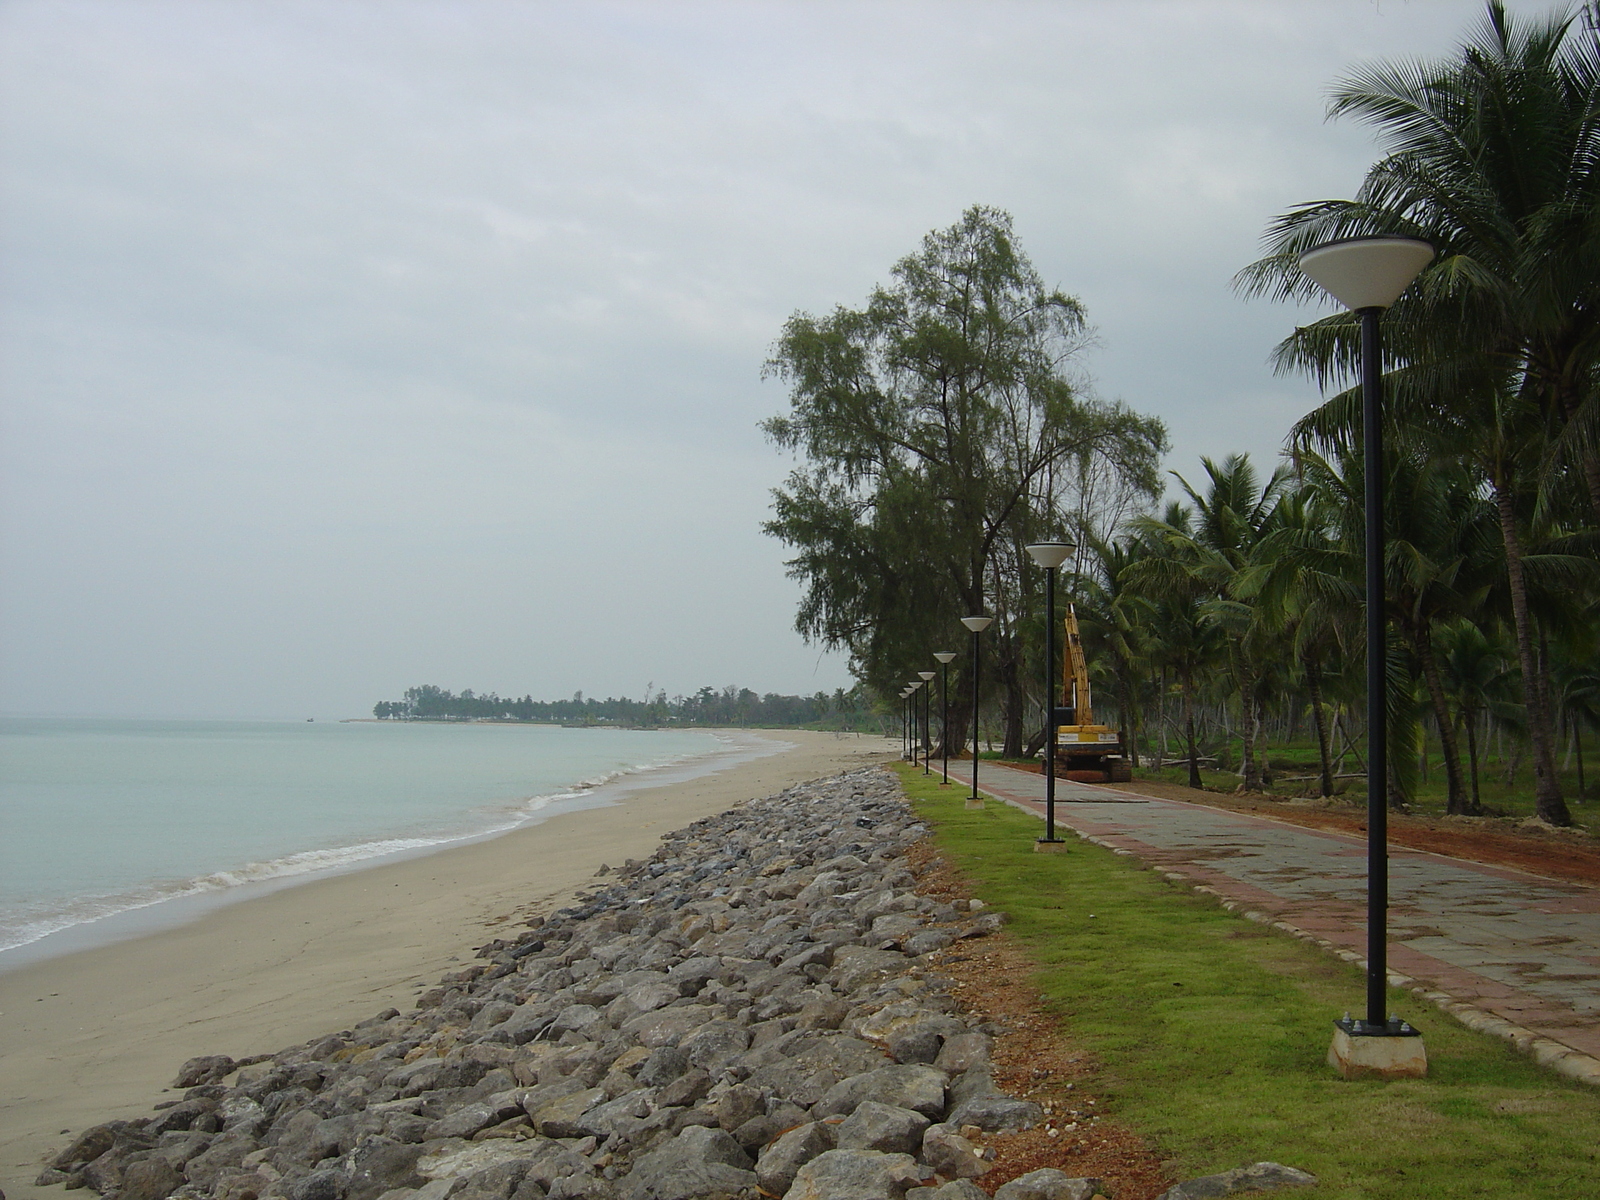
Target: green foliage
(940, 430)
(1212, 1031)
(1493, 155)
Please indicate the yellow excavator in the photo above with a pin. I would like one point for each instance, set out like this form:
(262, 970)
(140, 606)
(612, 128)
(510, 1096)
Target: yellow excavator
(1085, 752)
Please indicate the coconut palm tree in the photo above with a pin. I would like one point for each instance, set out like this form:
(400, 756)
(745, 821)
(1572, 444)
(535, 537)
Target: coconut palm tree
(1210, 555)
(1494, 156)
(1181, 642)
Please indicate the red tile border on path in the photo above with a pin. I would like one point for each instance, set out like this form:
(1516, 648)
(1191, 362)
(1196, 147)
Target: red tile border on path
(1562, 1039)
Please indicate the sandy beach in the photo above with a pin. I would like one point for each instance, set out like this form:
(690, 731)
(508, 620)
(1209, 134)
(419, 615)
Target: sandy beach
(99, 1034)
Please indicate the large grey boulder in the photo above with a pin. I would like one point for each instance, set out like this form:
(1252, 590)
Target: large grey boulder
(207, 1068)
(996, 1111)
(87, 1146)
(699, 1164)
(956, 1189)
(621, 1118)
(664, 1065)
(950, 1154)
(379, 1165)
(1048, 1184)
(715, 1046)
(963, 1051)
(564, 1117)
(327, 1184)
(692, 974)
(914, 1086)
(927, 941)
(855, 1175)
(575, 1018)
(668, 1026)
(776, 1168)
(152, 1179)
(452, 1160)
(1256, 1177)
(221, 1155)
(882, 1127)
(464, 1122)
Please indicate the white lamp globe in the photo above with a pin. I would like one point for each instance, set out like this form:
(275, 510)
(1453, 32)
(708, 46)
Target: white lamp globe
(1051, 555)
(1366, 272)
(977, 624)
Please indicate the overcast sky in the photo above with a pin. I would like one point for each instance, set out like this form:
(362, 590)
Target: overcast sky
(346, 346)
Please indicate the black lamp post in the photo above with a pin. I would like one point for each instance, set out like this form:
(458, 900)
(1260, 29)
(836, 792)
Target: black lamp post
(1367, 275)
(977, 625)
(927, 719)
(945, 657)
(912, 687)
(1050, 555)
(905, 722)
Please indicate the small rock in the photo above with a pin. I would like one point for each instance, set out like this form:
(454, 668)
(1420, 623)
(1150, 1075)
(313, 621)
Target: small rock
(983, 926)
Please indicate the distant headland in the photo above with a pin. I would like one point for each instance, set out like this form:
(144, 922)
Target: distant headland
(729, 706)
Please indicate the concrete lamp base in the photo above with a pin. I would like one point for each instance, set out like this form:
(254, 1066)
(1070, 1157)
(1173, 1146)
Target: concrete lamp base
(971, 803)
(1040, 846)
(1394, 1051)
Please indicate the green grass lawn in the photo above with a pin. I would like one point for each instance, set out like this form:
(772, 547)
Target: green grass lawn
(1213, 1033)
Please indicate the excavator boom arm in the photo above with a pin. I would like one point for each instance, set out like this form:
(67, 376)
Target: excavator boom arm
(1075, 670)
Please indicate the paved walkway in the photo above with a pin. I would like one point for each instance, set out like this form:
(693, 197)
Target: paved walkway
(1503, 950)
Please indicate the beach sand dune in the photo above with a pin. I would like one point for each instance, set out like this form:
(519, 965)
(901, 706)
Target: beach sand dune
(99, 1034)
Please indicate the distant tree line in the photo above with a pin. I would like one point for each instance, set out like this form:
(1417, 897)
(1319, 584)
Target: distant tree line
(843, 709)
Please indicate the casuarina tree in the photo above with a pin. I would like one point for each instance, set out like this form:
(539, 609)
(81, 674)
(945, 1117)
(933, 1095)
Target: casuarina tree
(937, 428)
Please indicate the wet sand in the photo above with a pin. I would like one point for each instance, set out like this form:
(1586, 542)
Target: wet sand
(99, 1034)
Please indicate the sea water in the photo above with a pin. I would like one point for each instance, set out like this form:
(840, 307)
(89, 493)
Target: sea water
(102, 817)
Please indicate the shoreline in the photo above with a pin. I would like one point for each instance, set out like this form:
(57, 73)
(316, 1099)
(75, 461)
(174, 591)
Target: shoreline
(194, 899)
(99, 1033)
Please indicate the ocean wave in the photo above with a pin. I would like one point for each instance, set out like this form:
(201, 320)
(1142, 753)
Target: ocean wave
(24, 924)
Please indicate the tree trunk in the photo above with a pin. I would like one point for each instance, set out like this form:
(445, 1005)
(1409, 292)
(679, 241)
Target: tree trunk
(1250, 766)
(1422, 642)
(1320, 718)
(1016, 699)
(1188, 721)
(1547, 790)
(1472, 758)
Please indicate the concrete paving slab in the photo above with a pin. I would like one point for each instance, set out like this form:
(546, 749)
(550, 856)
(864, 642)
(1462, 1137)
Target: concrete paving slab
(1511, 946)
